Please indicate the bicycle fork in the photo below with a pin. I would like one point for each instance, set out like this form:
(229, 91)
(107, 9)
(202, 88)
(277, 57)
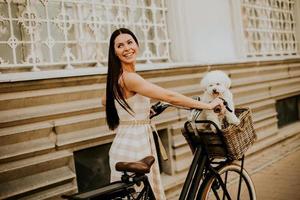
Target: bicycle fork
(192, 182)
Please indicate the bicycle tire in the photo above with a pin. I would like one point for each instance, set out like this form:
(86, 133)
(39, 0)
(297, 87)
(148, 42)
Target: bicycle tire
(233, 173)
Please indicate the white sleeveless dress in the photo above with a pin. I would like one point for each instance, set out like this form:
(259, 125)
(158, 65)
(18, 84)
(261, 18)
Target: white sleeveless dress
(134, 141)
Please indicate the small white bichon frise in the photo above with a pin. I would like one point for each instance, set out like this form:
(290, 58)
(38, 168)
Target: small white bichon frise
(216, 84)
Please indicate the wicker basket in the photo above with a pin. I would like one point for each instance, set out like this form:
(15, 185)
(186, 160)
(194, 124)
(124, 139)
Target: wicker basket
(233, 142)
(238, 138)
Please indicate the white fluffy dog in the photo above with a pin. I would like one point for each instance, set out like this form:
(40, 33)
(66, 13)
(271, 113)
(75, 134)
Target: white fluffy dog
(216, 84)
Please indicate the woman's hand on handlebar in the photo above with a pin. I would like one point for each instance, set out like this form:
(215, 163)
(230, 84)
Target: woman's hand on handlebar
(218, 105)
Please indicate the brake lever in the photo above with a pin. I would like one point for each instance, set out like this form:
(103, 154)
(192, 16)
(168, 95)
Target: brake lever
(158, 108)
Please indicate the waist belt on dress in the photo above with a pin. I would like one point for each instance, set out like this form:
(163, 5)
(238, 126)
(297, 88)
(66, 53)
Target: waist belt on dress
(162, 149)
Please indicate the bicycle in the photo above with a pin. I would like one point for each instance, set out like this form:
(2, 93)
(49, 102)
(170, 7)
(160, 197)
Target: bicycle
(209, 177)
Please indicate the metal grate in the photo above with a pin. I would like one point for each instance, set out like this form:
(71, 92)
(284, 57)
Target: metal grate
(70, 33)
(269, 27)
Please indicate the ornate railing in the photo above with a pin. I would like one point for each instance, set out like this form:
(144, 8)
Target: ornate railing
(269, 27)
(70, 33)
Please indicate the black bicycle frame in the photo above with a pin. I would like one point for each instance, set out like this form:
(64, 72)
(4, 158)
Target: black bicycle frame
(147, 189)
(117, 189)
(191, 186)
(194, 175)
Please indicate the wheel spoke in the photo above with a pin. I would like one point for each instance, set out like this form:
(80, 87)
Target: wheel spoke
(226, 175)
(231, 178)
(216, 194)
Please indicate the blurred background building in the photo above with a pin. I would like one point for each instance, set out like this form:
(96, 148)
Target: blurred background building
(53, 62)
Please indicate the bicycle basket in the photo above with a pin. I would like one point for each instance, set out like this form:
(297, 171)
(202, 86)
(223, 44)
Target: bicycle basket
(212, 142)
(238, 138)
(233, 142)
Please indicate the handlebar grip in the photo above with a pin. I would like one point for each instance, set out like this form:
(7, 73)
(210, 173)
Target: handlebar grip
(158, 108)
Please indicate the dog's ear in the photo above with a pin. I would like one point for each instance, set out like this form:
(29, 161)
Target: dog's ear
(203, 83)
(224, 78)
(227, 81)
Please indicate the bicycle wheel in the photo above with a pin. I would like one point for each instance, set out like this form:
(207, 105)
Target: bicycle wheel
(230, 175)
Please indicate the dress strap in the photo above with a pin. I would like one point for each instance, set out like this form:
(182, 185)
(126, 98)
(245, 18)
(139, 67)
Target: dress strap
(162, 149)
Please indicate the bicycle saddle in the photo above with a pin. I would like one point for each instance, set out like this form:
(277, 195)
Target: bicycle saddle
(143, 166)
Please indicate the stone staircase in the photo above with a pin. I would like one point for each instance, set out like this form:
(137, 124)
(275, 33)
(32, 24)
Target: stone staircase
(42, 123)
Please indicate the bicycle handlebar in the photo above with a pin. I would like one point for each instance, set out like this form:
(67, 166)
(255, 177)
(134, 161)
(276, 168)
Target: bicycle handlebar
(159, 107)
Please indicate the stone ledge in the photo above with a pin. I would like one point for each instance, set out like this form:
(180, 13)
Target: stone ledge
(25, 76)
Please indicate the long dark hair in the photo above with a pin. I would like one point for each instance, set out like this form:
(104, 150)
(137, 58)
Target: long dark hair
(113, 89)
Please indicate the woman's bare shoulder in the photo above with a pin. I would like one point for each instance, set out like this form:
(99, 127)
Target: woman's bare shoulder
(129, 77)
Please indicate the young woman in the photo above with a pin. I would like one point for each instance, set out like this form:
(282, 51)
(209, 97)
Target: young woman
(127, 103)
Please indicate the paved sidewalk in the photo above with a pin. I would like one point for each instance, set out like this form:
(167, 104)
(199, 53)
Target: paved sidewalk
(280, 180)
(276, 171)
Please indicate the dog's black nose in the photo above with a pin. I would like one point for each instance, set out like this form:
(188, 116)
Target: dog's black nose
(215, 91)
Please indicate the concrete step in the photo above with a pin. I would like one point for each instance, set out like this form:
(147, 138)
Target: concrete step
(21, 133)
(169, 115)
(253, 75)
(79, 122)
(251, 93)
(294, 69)
(35, 138)
(282, 88)
(178, 141)
(25, 167)
(25, 149)
(284, 137)
(183, 151)
(177, 80)
(176, 128)
(267, 131)
(41, 113)
(25, 99)
(259, 104)
(262, 110)
(76, 138)
(264, 123)
(53, 193)
(36, 182)
(19, 84)
(32, 131)
(183, 164)
(173, 184)
(188, 90)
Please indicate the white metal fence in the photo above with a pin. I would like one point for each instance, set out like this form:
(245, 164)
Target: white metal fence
(68, 33)
(269, 27)
(37, 34)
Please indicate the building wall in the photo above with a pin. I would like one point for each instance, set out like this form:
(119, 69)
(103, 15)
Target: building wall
(224, 30)
(198, 21)
(44, 121)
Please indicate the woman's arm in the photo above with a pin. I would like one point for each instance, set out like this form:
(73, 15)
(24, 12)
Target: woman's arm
(136, 83)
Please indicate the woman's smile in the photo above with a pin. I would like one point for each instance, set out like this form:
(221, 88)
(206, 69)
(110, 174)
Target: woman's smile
(126, 49)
